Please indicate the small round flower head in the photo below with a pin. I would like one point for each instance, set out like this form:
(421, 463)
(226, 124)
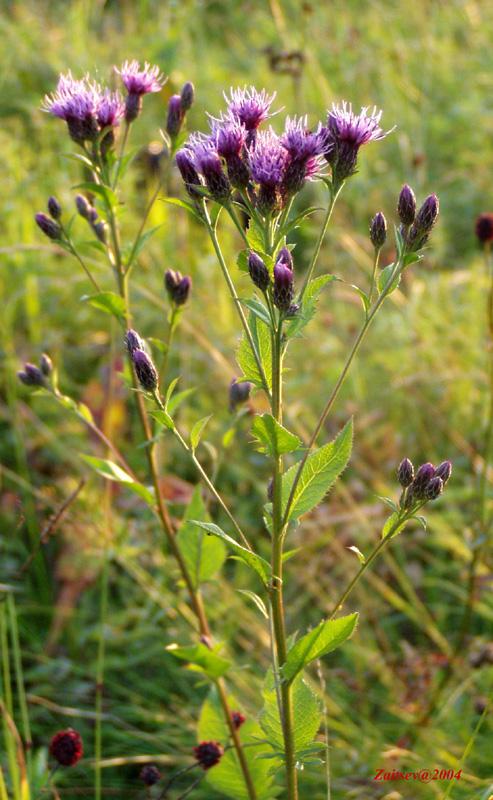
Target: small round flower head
(304, 150)
(282, 291)
(76, 102)
(229, 137)
(249, 106)
(187, 96)
(101, 230)
(133, 342)
(284, 256)
(405, 473)
(238, 719)
(54, 208)
(66, 747)
(111, 109)
(145, 370)
(346, 132)
(444, 471)
(258, 271)
(434, 488)
(46, 365)
(206, 160)
(406, 206)
(178, 287)
(484, 228)
(138, 83)
(175, 116)
(239, 392)
(84, 208)
(420, 230)
(423, 477)
(150, 775)
(208, 754)
(188, 172)
(31, 375)
(378, 231)
(267, 159)
(49, 226)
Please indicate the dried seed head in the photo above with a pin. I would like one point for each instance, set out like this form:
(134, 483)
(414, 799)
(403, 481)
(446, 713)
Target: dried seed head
(406, 206)
(145, 370)
(46, 365)
(239, 392)
(378, 231)
(405, 473)
(54, 208)
(208, 754)
(258, 271)
(49, 226)
(484, 228)
(66, 747)
(150, 775)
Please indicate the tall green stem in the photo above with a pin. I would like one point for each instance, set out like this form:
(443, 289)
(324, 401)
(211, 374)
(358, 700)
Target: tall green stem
(333, 197)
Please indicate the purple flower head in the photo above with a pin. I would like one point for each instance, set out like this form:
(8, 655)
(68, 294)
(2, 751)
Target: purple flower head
(258, 271)
(188, 172)
(175, 116)
(304, 153)
(249, 107)
(284, 257)
(229, 136)
(267, 159)
(111, 109)
(444, 471)
(282, 292)
(137, 81)
(344, 135)
(205, 159)
(76, 102)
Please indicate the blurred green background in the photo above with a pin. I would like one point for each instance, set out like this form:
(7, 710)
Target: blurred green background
(419, 387)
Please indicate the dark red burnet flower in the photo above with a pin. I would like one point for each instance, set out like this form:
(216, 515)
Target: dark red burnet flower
(150, 775)
(208, 754)
(484, 227)
(238, 719)
(66, 747)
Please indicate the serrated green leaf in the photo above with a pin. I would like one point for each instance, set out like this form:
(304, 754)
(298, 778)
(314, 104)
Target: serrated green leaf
(390, 522)
(108, 301)
(257, 600)
(107, 194)
(242, 260)
(315, 644)
(197, 431)
(202, 658)
(112, 472)
(175, 201)
(306, 714)
(274, 438)
(321, 470)
(411, 258)
(261, 567)
(384, 278)
(255, 235)
(164, 419)
(203, 555)
(309, 304)
(246, 360)
(227, 777)
(260, 311)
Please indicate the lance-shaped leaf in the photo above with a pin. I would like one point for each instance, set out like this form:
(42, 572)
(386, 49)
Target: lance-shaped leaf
(261, 567)
(202, 659)
(245, 357)
(275, 440)
(321, 470)
(203, 555)
(306, 714)
(111, 471)
(321, 640)
(108, 301)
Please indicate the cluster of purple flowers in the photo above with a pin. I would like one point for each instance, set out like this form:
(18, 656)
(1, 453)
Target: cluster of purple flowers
(237, 155)
(88, 109)
(428, 484)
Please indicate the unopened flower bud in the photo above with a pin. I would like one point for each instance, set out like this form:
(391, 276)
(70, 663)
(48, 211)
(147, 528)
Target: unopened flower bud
(484, 228)
(239, 392)
(189, 174)
(187, 96)
(405, 473)
(215, 178)
(49, 227)
(150, 775)
(145, 370)
(284, 256)
(54, 208)
(66, 747)
(101, 230)
(178, 288)
(282, 292)
(175, 116)
(208, 754)
(378, 231)
(421, 228)
(292, 310)
(406, 205)
(444, 471)
(423, 477)
(31, 376)
(434, 488)
(133, 342)
(258, 271)
(46, 365)
(83, 206)
(133, 106)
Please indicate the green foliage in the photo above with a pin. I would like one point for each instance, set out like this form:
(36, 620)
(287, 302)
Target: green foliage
(274, 438)
(306, 715)
(246, 359)
(204, 555)
(258, 564)
(108, 301)
(112, 472)
(315, 644)
(202, 659)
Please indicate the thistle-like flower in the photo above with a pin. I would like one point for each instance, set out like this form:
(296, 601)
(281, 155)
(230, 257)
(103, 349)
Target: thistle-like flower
(66, 747)
(133, 342)
(150, 775)
(282, 291)
(138, 83)
(405, 473)
(267, 159)
(54, 208)
(304, 150)
(188, 172)
(444, 471)
(208, 754)
(406, 206)
(76, 102)
(249, 107)
(345, 133)
(46, 365)
(206, 160)
(187, 96)
(31, 375)
(420, 230)
(229, 138)
(423, 477)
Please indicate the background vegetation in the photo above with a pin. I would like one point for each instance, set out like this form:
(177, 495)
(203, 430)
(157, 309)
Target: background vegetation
(419, 388)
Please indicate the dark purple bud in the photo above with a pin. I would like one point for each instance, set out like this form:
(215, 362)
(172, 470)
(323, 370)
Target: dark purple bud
(178, 288)
(145, 370)
(50, 228)
(434, 488)
(420, 230)
(175, 116)
(282, 292)
(189, 174)
(83, 206)
(284, 256)
(258, 271)
(150, 775)
(444, 471)
(54, 208)
(405, 473)
(406, 206)
(239, 392)
(378, 231)
(46, 365)
(133, 342)
(484, 228)
(292, 310)
(101, 230)
(208, 754)
(31, 376)
(423, 476)
(238, 172)
(215, 179)
(133, 106)
(187, 96)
